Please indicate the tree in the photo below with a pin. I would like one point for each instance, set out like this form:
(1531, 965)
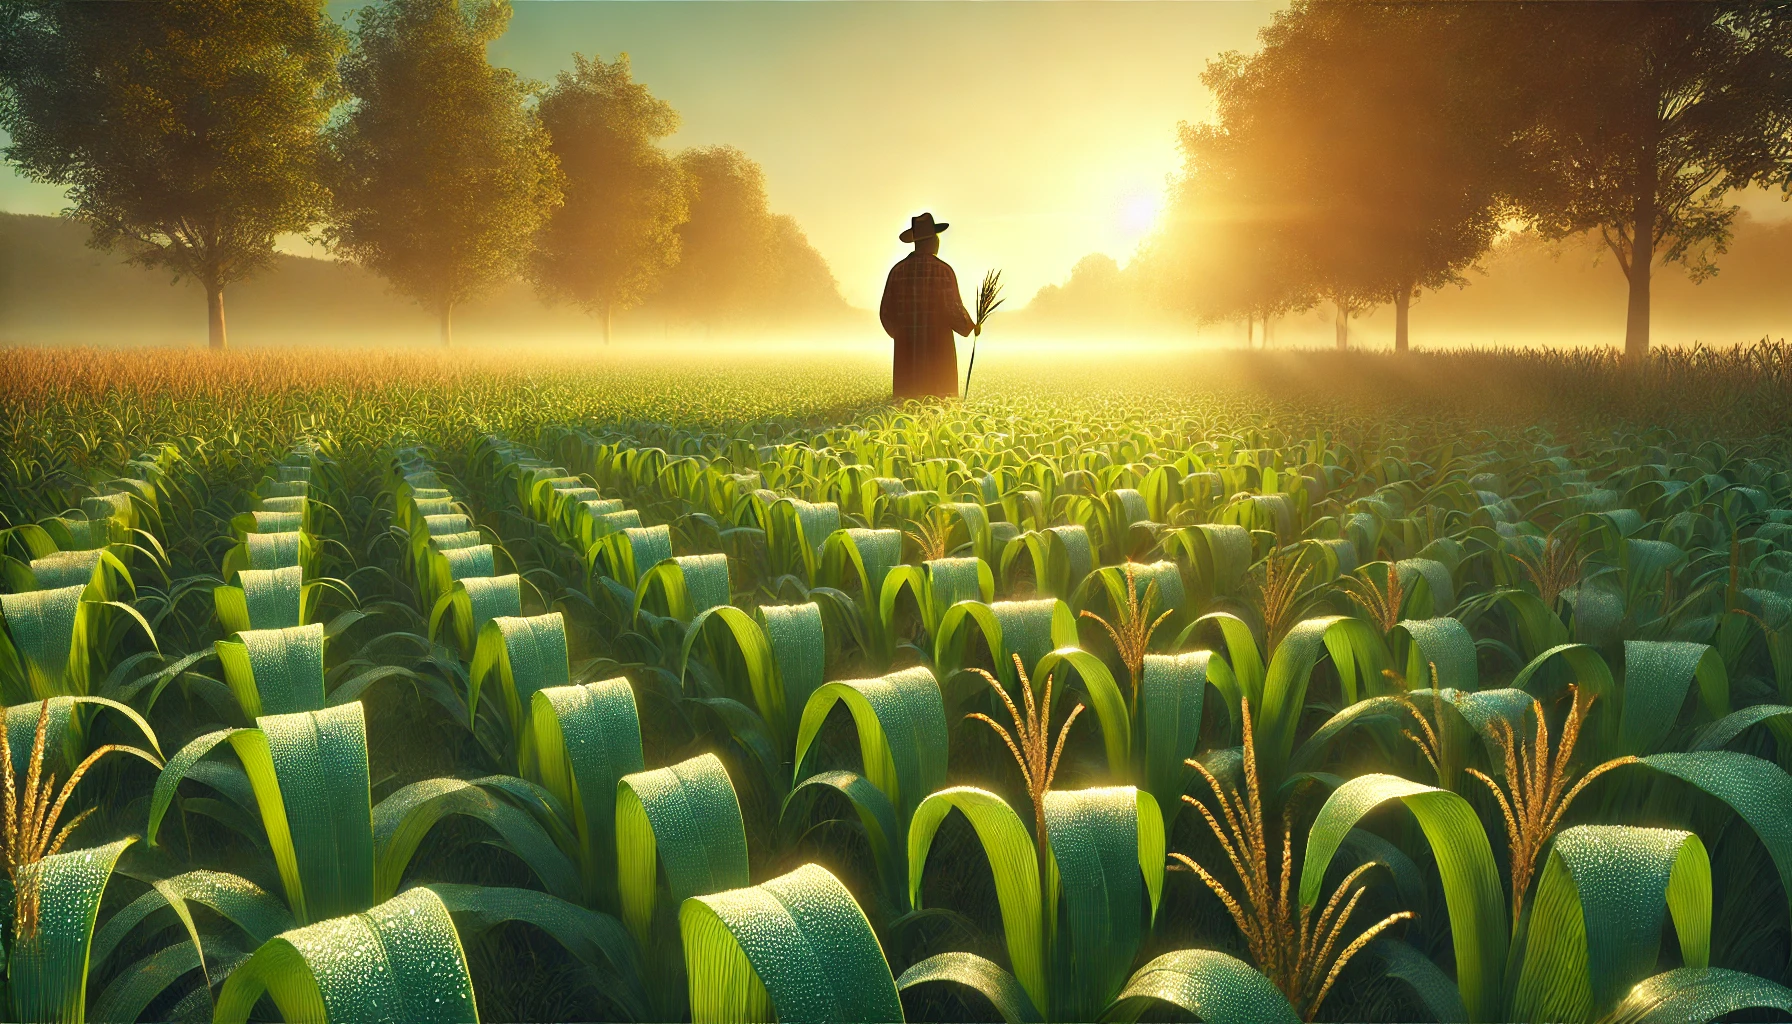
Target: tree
(441, 170)
(616, 236)
(739, 261)
(1372, 132)
(1222, 252)
(1646, 116)
(186, 131)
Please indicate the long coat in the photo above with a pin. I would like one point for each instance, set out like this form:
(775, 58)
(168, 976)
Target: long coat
(921, 311)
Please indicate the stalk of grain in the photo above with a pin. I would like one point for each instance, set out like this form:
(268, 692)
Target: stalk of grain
(988, 298)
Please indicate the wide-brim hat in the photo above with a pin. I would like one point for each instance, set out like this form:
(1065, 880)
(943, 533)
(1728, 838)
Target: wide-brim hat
(922, 227)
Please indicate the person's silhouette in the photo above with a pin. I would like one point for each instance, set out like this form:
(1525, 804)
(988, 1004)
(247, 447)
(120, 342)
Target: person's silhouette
(921, 311)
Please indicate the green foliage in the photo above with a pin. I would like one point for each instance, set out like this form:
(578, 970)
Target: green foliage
(440, 171)
(185, 132)
(601, 734)
(614, 238)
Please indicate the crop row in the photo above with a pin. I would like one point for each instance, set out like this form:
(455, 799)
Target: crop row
(874, 665)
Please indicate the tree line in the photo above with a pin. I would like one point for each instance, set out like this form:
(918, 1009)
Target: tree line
(191, 134)
(1371, 152)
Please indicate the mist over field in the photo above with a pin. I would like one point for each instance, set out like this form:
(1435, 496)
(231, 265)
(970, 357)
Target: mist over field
(56, 290)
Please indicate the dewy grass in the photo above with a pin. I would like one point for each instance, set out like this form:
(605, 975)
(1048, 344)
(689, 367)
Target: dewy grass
(1652, 511)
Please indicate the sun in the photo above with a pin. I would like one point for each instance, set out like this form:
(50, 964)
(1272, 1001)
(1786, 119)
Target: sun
(1137, 211)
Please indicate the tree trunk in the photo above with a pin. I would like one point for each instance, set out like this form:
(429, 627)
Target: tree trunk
(1402, 307)
(1642, 258)
(1341, 324)
(607, 310)
(214, 317)
(1250, 332)
(448, 324)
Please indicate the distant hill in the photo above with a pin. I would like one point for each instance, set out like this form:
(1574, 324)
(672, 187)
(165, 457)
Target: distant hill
(55, 289)
(1526, 292)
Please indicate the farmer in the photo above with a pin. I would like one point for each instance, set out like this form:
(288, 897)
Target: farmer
(921, 311)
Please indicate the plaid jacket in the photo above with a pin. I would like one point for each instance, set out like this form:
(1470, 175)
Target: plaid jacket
(921, 310)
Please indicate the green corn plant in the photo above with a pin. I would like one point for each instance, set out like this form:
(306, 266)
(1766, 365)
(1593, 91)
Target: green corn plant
(401, 960)
(98, 569)
(1279, 688)
(935, 586)
(272, 551)
(1132, 631)
(688, 585)
(1102, 849)
(523, 654)
(584, 522)
(1030, 629)
(582, 741)
(1216, 556)
(53, 638)
(275, 671)
(1553, 973)
(470, 604)
(795, 531)
(333, 850)
(1298, 951)
(774, 657)
(626, 555)
(795, 948)
(337, 854)
(854, 565)
(54, 896)
(1106, 857)
(902, 733)
(687, 819)
(1059, 556)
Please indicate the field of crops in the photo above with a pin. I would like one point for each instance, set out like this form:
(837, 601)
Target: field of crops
(1238, 687)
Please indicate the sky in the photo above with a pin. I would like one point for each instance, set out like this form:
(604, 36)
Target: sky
(1041, 131)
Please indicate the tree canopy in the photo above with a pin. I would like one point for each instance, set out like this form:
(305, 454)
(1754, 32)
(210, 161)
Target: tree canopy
(615, 237)
(1354, 159)
(185, 131)
(740, 262)
(1643, 118)
(442, 171)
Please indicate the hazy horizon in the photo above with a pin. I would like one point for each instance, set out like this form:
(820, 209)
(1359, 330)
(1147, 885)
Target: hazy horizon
(1051, 126)
(1035, 168)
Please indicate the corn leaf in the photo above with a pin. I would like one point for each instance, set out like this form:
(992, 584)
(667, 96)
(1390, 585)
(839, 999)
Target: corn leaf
(1099, 846)
(1656, 678)
(275, 671)
(402, 820)
(1216, 988)
(1697, 995)
(1595, 927)
(796, 948)
(527, 653)
(47, 972)
(974, 972)
(583, 740)
(1443, 644)
(597, 940)
(1012, 861)
(1472, 888)
(400, 962)
(688, 817)
(1172, 693)
(901, 724)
